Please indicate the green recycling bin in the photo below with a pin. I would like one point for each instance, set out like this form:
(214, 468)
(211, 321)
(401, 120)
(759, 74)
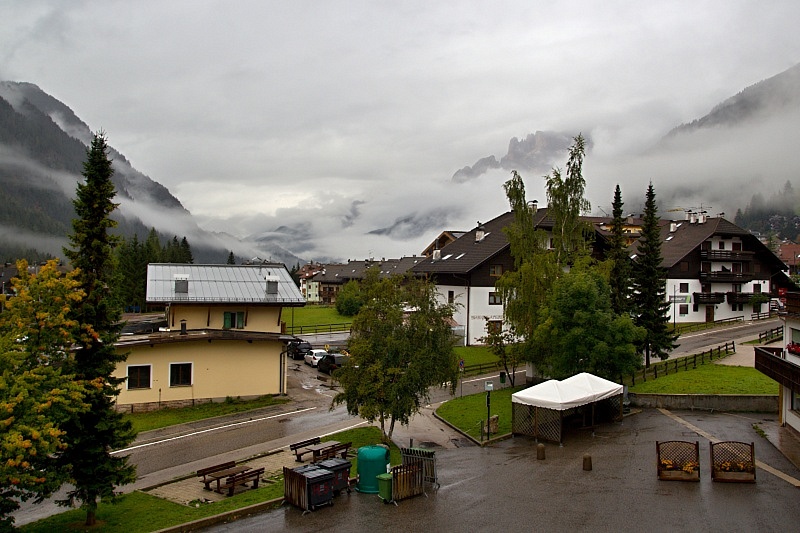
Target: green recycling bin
(385, 487)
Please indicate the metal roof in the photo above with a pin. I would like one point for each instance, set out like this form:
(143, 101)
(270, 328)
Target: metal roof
(222, 284)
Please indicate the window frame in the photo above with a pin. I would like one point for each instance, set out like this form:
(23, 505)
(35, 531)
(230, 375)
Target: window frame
(233, 320)
(495, 298)
(179, 382)
(139, 387)
(496, 270)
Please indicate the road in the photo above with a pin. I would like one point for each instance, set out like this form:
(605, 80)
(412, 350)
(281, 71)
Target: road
(698, 341)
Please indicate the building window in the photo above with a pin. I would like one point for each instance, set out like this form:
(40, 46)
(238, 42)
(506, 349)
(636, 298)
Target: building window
(757, 308)
(756, 288)
(684, 288)
(180, 374)
(451, 297)
(496, 270)
(233, 320)
(494, 326)
(551, 244)
(795, 401)
(721, 245)
(683, 309)
(738, 307)
(736, 287)
(495, 299)
(139, 377)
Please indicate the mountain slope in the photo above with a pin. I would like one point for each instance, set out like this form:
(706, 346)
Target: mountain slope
(42, 149)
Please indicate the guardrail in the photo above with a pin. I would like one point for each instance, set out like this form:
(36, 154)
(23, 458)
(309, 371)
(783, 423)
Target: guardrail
(318, 328)
(663, 368)
(481, 368)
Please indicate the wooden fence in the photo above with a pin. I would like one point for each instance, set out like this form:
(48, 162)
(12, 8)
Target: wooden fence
(697, 326)
(771, 335)
(664, 368)
(318, 328)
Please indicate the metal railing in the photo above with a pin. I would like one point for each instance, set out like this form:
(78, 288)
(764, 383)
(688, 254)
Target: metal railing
(685, 328)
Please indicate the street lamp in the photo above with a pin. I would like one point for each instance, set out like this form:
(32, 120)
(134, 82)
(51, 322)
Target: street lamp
(674, 300)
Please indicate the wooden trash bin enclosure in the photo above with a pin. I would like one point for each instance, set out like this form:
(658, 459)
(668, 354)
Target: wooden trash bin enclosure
(308, 487)
(678, 460)
(428, 459)
(733, 462)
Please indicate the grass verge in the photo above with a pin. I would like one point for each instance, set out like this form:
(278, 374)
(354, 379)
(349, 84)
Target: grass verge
(468, 412)
(475, 355)
(312, 315)
(169, 417)
(710, 379)
(139, 512)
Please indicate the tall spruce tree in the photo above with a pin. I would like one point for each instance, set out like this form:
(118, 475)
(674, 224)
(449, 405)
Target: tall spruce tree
(619, 279)
(650, 286)
(91, 436)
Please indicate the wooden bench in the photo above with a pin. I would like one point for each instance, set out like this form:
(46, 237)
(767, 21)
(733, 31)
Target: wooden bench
(211, 469)
(332, 451)
(298, 447)
(242, 479)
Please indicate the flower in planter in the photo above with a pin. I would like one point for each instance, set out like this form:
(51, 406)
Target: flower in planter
(735, 466)
(690, 466)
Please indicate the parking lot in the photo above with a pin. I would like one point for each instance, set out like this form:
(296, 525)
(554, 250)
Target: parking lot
(505, 487)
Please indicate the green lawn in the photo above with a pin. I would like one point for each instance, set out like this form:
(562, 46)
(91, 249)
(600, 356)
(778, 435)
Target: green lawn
(170, 417)
(468, 412)
(139, 512)
(474, 355)
(312, 315)
(710, 379)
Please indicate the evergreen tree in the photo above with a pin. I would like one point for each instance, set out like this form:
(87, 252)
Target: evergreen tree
(153, 250)
(650, 279)
(186, 252)
(93, 435)
(620, 262)
(231, 258)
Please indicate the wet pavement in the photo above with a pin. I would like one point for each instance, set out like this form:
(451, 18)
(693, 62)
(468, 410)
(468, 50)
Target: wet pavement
(504, 486)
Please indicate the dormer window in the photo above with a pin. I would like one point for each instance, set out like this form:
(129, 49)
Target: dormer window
(181, 284)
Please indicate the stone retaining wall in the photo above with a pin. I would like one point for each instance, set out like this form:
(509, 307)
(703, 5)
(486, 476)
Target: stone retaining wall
(717, 402)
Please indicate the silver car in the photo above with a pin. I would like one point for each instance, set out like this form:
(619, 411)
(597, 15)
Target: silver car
(313, 357)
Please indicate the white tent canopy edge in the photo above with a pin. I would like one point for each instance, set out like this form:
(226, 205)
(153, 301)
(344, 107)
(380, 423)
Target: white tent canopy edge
(580, 389)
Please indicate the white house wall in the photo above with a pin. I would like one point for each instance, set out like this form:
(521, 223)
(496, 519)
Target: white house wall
(722, 310)
(472, 309)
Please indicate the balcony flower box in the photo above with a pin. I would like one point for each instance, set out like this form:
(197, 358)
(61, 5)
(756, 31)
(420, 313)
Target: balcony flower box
(793, 348)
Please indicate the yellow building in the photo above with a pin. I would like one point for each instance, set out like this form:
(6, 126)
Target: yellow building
(224, 336)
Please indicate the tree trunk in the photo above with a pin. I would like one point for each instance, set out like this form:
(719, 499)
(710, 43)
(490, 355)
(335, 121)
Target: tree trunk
(91, 517)
(391, 430)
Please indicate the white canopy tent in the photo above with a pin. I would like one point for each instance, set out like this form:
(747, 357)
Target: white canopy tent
(554, 397)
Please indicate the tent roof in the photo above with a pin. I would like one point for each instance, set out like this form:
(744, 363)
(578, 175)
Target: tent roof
(575, 391)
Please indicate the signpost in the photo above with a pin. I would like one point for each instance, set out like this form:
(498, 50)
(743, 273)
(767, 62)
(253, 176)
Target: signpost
(488, 386)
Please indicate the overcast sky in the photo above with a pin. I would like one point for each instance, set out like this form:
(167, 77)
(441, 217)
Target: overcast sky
(337, 118)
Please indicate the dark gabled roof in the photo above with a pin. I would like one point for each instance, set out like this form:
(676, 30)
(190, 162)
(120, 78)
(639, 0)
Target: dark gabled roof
(464, 254)
(342, 273)
(688, 236)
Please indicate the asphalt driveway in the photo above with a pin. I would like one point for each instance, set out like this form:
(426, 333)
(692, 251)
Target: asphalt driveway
(504, 487)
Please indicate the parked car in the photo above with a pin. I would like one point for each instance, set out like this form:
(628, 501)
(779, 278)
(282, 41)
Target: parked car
(313, 356)
(331, 361)
(298, 348)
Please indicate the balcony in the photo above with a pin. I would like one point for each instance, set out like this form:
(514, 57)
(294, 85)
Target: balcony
(708, 297)
(739, 297)
(792, 306)
(726, 255)
(726, 277)
(770, 362)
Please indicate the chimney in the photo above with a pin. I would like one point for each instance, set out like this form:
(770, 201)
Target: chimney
(692, 218)
(183, 326)
(480, 232)
(630, 219)
(673, 227)
(534, 206)
(437, 254)
(701, 219)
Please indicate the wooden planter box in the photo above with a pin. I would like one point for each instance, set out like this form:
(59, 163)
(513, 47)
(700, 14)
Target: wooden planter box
(733, 462)
(733, 477)
(679, 475)
(673, 456)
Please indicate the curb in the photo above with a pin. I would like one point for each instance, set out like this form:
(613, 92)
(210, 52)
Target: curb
(236, 514)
